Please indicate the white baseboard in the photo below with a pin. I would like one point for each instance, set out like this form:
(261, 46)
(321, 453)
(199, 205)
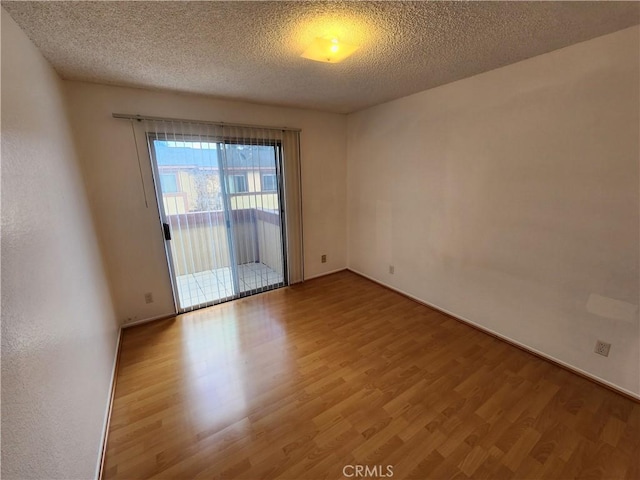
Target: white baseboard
(147, 320)
(169, 315)
(536, 352)
(323, 274)
(107, 418)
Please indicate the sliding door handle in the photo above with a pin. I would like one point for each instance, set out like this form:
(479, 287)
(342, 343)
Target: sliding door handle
(167, 231)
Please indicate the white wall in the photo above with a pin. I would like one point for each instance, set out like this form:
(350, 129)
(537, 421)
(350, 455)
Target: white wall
(129, 232)
(59, 330)
(511, 199)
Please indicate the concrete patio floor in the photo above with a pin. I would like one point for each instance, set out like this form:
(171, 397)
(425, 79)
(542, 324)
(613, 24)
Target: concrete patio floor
(213, 285)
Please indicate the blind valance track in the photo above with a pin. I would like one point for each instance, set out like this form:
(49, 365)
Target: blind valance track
(129, 116)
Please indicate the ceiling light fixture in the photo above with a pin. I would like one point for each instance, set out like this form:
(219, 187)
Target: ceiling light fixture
(328, 50)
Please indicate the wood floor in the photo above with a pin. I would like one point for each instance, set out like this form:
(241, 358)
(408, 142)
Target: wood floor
(301, 382)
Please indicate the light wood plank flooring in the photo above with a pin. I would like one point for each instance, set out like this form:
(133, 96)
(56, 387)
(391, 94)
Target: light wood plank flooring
(300, 382)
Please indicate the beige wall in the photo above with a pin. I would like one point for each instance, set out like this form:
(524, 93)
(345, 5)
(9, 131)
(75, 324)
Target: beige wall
(511, 199)
(59, 330)
(129, 231)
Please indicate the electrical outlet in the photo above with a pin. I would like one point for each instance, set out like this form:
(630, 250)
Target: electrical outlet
(323, 259)
(392, 269)
(602, 348)
(148, 297)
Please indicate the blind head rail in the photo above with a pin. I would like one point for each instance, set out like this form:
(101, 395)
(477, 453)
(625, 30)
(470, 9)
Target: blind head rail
(128, 116)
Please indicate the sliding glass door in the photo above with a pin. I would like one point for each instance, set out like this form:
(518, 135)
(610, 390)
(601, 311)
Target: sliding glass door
(220, 203)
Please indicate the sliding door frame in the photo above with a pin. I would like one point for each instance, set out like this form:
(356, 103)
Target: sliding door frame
(220, 142)
(162, 215)
(228, 217)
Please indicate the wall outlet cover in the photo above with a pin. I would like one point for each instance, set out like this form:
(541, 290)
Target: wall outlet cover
(602, 348)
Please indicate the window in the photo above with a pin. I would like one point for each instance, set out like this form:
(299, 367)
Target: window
(269, 183)
(237, 183)
(169, 182)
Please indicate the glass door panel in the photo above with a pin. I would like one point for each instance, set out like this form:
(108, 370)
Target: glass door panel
(252, 173)
(220, 207)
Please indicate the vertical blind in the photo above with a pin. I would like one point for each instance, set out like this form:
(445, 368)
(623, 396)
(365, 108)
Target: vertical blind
(230, 199)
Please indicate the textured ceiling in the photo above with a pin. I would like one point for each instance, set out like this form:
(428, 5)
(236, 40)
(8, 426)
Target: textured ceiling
(251, 50)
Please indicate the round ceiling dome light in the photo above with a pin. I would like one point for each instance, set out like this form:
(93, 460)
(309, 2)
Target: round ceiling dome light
(328, 50)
